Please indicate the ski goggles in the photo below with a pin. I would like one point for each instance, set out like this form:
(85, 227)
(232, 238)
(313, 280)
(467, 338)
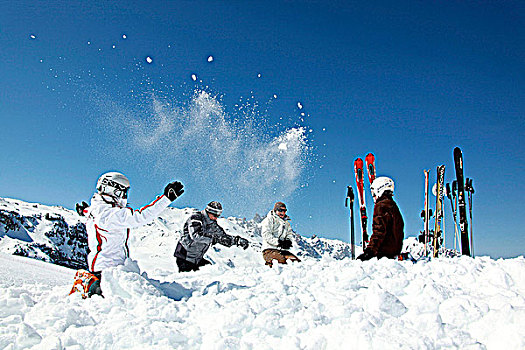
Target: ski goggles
(119, 191)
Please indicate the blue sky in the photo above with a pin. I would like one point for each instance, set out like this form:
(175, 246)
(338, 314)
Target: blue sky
(406, 80)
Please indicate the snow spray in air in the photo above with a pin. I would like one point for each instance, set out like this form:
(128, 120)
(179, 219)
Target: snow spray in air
(235, 160)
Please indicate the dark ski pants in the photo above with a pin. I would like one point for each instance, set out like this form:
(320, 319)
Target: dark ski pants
(186, 266)
(280, 255)
(95, 286)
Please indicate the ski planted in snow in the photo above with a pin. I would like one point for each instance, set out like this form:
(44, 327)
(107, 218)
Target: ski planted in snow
(371, 168)
(350, 204)
(426, 214)
(463, 224)
(470, 190)
(439, 208)
(359, 179)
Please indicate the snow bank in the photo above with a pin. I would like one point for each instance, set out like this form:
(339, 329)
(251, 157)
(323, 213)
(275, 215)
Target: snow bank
(325, 302)
(317, 304)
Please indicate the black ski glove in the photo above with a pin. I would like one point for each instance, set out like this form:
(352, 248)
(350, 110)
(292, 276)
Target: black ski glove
(284, 244)
(173, 190)
(241, 242)
(367, 255)
(80, 208)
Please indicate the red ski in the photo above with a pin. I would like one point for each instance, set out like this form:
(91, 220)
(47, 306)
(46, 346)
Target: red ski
(371, 168)
(359, 179)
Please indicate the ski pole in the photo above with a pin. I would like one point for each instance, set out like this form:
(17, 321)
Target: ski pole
(456, 232)
(427, 213)
(455, 197)
(350, 203)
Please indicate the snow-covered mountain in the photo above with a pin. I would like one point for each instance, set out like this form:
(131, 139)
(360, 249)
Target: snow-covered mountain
(48, 233)
(58, 235)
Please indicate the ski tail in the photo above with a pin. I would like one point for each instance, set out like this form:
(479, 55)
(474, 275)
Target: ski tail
(371, 167)
(470, 190)
(462, 210)
(439, 209)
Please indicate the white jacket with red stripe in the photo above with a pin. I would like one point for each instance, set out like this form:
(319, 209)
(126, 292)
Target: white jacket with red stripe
(108, 229)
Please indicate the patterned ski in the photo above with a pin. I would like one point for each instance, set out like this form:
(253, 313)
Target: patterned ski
(371, 168)
(359, 179)
(439, 208)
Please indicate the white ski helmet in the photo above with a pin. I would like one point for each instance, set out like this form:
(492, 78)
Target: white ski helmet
(115, 185)
(380, 185)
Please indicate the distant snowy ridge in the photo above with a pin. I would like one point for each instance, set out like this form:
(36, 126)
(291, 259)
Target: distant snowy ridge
(48, 233)
(58, 235)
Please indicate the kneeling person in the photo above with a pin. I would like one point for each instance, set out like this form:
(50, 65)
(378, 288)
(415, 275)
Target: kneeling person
(200, 232)
(388, 226)
(109, 221)
(277, 234)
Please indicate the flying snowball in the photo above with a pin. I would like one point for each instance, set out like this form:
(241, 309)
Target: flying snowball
(299, 105)
(259, 75)
(210, 59)
(32, 36)
(149, 60)
(194, 77)
(124, 36)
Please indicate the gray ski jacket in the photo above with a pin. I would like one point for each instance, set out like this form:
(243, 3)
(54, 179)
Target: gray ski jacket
(199, 233)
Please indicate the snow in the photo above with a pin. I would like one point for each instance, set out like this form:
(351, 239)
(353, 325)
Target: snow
(239, 303)
(316, 304)
(248, 168)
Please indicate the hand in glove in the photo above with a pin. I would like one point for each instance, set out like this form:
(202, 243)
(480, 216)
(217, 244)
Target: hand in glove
(241, 242)
(367, 255)
(80, 208)
(284, 244)
(173, 190)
